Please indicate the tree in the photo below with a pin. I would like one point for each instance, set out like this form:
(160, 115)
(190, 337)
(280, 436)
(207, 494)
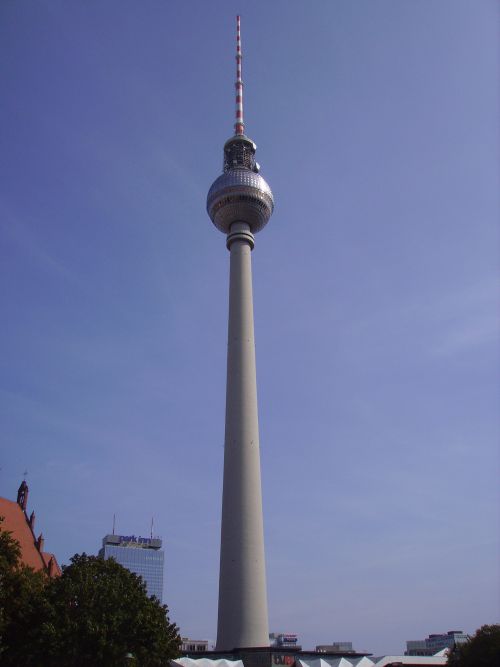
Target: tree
(10, 551)
(22, 600)
(95, 614)
(482, 650)
(100, 612)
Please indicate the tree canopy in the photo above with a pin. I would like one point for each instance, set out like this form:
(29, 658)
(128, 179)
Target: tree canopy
(21, 599)
(101, 612)
(482, 650)
(96, 613)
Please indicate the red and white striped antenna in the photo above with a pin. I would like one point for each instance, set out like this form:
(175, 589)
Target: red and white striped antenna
(239, 126)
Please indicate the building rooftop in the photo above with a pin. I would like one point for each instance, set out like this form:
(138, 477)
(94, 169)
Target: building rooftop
(132, 541)
(22, 528)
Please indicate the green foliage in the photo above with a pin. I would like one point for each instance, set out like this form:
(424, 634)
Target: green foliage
(101, 612)
(10, 551)
(22, 601)
(482, 650)
(95, 614)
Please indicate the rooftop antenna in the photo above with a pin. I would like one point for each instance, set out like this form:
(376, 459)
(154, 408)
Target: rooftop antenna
(152, 519)
(239, 126)
(114, 518)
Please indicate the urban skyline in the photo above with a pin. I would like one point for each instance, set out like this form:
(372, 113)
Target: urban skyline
(374, 299)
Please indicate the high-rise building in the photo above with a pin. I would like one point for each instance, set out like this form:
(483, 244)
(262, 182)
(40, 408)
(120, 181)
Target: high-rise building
(141, 555)
(240, 203)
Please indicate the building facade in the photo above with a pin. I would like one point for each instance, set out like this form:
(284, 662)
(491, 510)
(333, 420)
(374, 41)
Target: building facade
(284, 640)
(194, 645)
(22, 528)
(141, 555)
(335, 647)
(435, 643)
(416, 647)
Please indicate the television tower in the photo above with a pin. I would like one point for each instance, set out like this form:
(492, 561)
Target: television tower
(240, 203)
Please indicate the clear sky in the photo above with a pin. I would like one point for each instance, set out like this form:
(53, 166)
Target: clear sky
(374, 286)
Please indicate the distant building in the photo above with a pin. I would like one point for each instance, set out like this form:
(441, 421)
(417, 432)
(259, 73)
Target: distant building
(416, 647)
(435, 643)
(194, 645)
(284, 640)
(22, 527)
(141, 555)
(335, 647)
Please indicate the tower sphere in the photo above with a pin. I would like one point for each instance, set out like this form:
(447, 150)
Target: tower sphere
(240, 194)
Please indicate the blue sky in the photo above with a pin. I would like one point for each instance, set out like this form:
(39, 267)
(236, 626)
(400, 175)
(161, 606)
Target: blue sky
(374, 283)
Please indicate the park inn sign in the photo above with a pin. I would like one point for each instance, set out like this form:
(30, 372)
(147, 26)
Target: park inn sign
(133, 541)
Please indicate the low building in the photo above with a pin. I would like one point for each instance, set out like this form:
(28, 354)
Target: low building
(259, 658)
(449, 640)
(194, 645)
(22, 527)
(435, 643)
(284, 640)
(335, 647)
(416, 647)
(279, 656)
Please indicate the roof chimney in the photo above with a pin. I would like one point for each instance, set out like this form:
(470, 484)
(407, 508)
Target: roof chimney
(31, 521)
(22, 495)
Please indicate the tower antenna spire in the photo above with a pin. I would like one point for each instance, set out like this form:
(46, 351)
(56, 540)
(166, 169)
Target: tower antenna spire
(239, 126)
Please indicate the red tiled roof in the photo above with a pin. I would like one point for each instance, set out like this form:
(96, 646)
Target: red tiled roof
(53, 569)
(16, 521)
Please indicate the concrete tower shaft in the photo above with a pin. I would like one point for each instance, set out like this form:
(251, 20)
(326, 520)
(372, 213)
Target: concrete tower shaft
(242, 620)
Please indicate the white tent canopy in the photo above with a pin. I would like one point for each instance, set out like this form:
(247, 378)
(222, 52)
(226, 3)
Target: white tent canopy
(364, 661)
(332, 662)
(376, 662)
(205, 662)
(412, 660)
